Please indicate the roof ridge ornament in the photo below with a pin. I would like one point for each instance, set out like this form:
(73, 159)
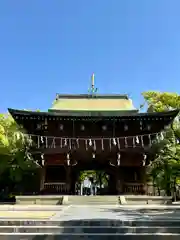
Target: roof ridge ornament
(92, 90)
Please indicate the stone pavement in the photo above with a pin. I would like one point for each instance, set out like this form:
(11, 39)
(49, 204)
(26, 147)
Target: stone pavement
(26, 214)
(29, 212)
(103, 222)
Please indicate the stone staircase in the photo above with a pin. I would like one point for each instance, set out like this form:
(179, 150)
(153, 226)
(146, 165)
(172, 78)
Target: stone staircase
(93, 200)
(94, 229)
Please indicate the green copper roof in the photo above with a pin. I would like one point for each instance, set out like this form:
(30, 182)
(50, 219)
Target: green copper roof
(93, 103)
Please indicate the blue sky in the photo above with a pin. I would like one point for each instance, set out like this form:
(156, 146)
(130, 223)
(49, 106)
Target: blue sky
(49, 47)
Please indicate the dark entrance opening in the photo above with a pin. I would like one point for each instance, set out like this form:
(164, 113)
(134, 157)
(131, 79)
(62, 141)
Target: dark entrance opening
(102, 178)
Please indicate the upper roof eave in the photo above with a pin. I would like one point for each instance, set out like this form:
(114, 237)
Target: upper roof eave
(119, 114)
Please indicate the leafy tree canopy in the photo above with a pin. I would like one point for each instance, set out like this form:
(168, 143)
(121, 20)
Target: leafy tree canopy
(165, 169)
(14, 149)
(161, 101)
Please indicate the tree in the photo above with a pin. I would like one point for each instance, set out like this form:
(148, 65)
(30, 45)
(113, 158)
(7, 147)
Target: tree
(165, 169)
(161, 101)
(15, 157)
(98, 177)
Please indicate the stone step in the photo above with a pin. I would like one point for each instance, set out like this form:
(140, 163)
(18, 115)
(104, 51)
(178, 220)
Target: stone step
(92, 223)
(92, 200)
(90, 203)
(88, 200)
(41, 236)
(94, 197)
(90, 230)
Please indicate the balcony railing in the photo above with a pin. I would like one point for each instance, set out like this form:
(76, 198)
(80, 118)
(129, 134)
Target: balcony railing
(134, 188)
(61, 188)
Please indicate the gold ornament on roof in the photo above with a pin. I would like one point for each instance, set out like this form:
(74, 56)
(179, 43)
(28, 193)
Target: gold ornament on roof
(92, 89)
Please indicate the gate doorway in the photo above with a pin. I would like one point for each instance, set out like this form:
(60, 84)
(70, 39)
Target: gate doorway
(93, 178)
(92, 182)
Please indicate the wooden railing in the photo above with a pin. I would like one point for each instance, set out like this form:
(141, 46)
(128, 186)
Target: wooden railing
(134, 188)
(56, 188)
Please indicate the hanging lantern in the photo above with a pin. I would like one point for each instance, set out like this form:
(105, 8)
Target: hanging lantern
(93, 156)
(104, 128)
(68, 159)
(38, 127)
(148, 127)
(141, 125)
(61, 127)
(118, 159)
(42, 159)
(82, 127)
(45, 124)
(125, 127)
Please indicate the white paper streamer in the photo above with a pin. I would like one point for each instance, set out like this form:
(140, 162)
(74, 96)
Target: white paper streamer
(137, 139)
(114, 141)
(90, 142)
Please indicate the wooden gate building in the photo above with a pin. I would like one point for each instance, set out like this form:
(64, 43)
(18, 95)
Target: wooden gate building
(93, 131)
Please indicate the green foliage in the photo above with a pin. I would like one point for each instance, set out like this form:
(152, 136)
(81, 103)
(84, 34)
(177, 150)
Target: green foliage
(15, 158)
(84, 174)
(165, 169)
(99, 177)
(161, 101)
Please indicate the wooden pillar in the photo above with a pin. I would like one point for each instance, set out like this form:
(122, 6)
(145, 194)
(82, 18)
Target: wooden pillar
(121, 180)
(143, 178)
(42, 176)
(118, 182)
(68, 178)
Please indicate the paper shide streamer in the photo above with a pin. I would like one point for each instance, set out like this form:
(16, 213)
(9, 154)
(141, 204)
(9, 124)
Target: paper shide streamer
(111, 143)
